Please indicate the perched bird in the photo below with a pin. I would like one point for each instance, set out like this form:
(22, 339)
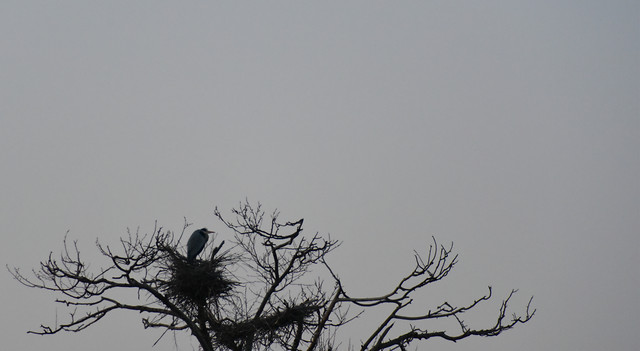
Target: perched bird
(196, 243)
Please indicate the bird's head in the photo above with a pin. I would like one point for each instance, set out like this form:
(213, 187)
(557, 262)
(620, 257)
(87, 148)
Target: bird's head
(205, 231)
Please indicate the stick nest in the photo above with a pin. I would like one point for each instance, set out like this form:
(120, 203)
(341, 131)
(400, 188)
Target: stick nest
(198, 282)
(271, 323)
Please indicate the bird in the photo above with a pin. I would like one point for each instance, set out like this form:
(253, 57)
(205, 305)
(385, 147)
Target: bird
(196, 243)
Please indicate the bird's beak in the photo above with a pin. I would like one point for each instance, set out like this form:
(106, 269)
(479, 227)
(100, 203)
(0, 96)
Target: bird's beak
(210, 232)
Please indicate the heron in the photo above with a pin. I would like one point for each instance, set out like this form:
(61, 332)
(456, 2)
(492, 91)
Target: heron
(196, 243)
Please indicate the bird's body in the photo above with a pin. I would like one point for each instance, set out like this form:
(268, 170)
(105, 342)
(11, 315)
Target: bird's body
(196, 243)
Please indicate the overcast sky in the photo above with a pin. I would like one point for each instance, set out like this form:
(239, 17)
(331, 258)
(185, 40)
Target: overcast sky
(511, 129)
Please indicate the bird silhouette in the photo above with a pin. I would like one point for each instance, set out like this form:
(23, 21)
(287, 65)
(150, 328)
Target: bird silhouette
(196, 243)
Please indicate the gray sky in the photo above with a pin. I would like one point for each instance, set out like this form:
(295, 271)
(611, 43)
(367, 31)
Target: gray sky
(510, 129)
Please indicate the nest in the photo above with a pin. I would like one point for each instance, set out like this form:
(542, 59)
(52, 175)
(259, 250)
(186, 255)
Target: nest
(265, 326)
(198, 282)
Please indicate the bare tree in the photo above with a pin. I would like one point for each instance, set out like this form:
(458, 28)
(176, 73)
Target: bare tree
(262, 293)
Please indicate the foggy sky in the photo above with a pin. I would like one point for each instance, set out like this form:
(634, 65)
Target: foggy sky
(509, 129)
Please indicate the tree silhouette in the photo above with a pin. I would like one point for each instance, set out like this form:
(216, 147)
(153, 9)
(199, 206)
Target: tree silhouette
(261, 293)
